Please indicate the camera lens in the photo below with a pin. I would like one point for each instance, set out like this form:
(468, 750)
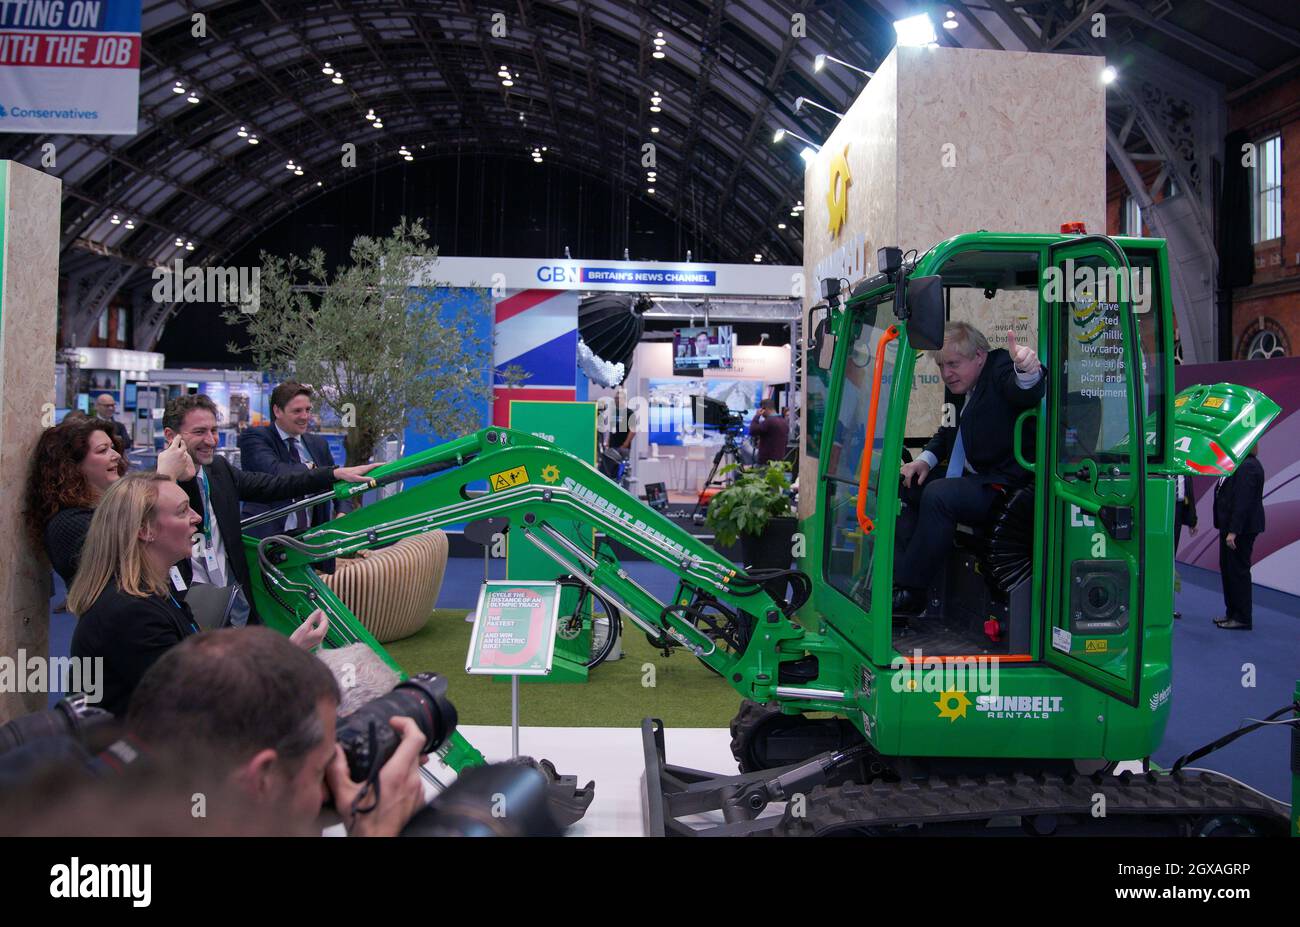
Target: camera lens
(367, 738)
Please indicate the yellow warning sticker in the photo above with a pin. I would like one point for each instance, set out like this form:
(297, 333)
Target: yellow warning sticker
(1180, 401)
(1214, 402)
(1100, 646)
(508, 479)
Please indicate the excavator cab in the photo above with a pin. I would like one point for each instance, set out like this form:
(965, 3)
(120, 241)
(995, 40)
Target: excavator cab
(1061, 570)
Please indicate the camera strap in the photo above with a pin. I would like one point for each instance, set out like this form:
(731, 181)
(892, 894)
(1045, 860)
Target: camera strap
(370, 785)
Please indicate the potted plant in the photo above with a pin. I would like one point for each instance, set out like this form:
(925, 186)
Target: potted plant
(755, 509)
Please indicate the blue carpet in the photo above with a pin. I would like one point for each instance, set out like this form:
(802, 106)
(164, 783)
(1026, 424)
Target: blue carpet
(1209, 699)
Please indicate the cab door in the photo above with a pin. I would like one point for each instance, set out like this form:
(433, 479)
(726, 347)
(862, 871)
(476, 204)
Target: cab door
(1095, 476)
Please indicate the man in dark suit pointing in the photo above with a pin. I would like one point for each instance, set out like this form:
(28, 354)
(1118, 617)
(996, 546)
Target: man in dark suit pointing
(1239, 516)
(285, 447)
(984, 392)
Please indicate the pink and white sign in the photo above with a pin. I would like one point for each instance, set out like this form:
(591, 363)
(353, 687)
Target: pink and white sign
(69, 66)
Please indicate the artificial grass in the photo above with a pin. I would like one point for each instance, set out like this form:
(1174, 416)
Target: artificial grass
(686, 693)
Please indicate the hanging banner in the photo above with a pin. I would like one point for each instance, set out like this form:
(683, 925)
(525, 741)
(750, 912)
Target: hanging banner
(69, 67)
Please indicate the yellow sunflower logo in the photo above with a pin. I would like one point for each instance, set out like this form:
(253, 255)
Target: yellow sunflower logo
(550, 473)
(952, 705)
(837, 196)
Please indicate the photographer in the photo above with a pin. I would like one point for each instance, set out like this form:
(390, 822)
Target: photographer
(259, 714)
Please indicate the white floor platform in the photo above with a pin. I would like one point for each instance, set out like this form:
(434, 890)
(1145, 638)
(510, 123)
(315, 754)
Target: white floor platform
(611, 756)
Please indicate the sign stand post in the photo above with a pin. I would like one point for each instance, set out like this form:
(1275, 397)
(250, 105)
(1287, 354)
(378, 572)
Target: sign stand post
(514, 635)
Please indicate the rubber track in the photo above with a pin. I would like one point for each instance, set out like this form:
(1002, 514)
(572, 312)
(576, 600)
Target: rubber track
(980, 799)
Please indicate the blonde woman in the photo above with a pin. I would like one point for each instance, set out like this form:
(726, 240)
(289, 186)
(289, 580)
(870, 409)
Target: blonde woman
(128, 612)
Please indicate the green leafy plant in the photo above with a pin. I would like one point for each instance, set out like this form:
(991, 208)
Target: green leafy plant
(382, 354)
(746, 506)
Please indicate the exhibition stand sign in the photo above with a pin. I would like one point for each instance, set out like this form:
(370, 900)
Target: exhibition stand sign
(70, 68)
(514, 629)
(573, 427)
(514, 635)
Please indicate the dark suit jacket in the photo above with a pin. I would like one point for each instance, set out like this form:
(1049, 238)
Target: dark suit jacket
(262, 450)
(229, 486)
(1239, 501)
(120, 430)
(1185, 511)
(987, 426)
(129, 633)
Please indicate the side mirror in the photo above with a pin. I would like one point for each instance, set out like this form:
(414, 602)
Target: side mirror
(925, 306)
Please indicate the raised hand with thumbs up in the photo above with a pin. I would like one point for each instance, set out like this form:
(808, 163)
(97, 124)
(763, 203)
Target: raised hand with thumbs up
(1023, 356)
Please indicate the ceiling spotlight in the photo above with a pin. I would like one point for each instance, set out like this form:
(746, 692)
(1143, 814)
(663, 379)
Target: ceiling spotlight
(409, 158)
(243, 132)
(337, 78)
(116, 220)
(780, 225)
(915, 30)
(757, 258)
(403, 151)
(507, 83)
(1108, 74)
(192, 98)
(649, 189)
(189, 246)
(779, 135)
(289, 166)
(655, 100)
(370, 115)
(180, 242)
(950, 21)
(422, 148)
(819, 63)
(660, 42)
(654, 129)
(319, 184)
(543, 148)
(298, 171)
(253, 139)
(378, 123)
(327, 70)
(178, 87)
(801, 102)
(130, 223)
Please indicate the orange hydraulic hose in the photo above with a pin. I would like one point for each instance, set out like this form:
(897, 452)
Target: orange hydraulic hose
(865, 523)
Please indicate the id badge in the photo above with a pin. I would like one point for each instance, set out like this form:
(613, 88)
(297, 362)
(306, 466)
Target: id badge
(210, 560)
(177, 583)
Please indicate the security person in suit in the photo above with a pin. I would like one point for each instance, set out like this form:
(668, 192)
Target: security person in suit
(286, 447)
(1239, 516)
(217, 489)
(988, 389)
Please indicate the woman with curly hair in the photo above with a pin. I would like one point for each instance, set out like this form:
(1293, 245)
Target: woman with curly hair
(75, 463)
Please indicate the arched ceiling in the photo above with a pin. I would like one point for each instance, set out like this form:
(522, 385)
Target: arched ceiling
(583, 75)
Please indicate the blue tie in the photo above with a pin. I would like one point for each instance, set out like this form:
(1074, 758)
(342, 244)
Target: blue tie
(957, 462)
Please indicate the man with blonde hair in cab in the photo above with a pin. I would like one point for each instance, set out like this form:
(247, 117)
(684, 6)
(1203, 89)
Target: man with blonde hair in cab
(985, 390)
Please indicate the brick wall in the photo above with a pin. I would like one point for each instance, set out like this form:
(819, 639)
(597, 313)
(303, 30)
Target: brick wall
(1272, 302)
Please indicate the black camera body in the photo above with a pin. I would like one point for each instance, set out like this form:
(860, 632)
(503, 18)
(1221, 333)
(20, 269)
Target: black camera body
(367, 738)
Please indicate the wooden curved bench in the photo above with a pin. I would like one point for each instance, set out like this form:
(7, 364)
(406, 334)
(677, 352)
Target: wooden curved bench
(393, 591)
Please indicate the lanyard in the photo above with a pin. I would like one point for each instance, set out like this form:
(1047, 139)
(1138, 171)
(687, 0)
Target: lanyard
(180, 608)
(206, 493)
